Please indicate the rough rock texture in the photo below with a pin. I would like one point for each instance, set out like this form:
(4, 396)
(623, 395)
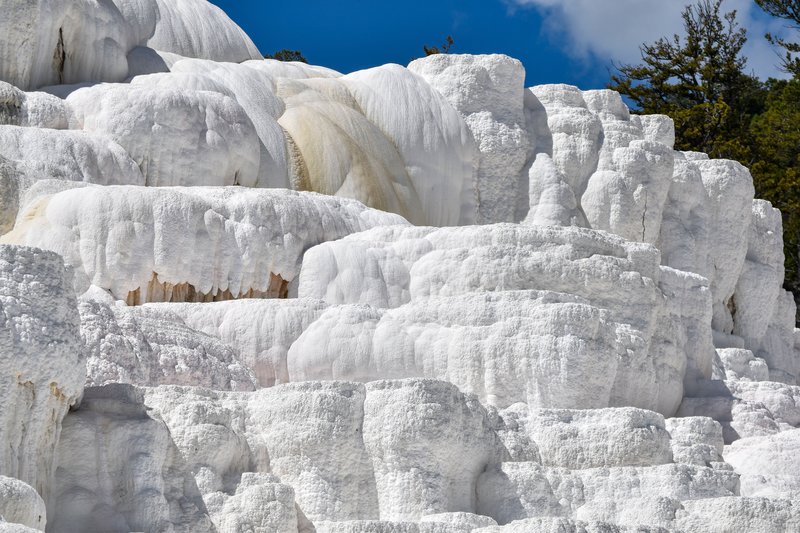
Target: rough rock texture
(42, 362)
(158, 128)
(147, 346)
(516, 491)
(510, 376)
(739, 364)
(261, 331)
(135, 481)
(488, 92)
(33, 110)
(607, 437)
(746, 408)
(412, 431)
(244, 242)
(767, 464)
(261, 503)
(696, 440)
(342, 451)
(591, 285)
(21, 504)
(28, 155)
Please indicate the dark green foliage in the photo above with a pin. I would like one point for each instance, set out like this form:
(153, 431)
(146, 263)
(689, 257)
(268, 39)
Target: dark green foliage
(776, 171)
(287, 55)
(699, 81)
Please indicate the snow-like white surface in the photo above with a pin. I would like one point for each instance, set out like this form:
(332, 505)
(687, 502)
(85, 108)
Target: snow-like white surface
(487, 91)
(42, 361)
(510, 376)
(159, 128)
(47, 42)
(207, 241)
(147, 346)
(767, 464)
(260, 331)
(521, 490)
(596, 286)
(30, 155)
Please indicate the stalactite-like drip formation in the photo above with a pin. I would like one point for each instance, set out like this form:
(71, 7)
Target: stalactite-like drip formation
(157, 291)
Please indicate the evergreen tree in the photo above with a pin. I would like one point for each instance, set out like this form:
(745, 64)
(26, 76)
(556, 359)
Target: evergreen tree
(699, 81)
(287, 55)
(776, 173)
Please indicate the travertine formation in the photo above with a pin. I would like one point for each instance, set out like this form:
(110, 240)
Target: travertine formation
(240, 295)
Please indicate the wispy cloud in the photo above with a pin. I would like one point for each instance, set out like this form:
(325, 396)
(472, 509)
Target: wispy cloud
(614, 29)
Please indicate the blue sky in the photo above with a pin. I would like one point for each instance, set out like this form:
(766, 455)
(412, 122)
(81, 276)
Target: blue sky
(559, 41)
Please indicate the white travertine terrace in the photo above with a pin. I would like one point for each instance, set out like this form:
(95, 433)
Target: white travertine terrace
(240, 295)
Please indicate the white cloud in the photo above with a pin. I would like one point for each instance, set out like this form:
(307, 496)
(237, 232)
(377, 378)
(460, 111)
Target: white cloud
(614, 29)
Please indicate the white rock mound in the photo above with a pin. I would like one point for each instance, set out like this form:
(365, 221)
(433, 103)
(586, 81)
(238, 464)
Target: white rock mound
(48, 43)
(245, 242)
(42, 362)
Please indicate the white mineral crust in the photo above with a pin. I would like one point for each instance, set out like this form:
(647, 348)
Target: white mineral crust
(42, 361)
(229, 322)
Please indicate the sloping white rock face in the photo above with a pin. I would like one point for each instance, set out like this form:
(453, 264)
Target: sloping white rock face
(432, 138)
(158, 128)
(319, 450)
(245, 242)
(581, 439)
(33, 110)
(595, 287)
(746, 408)
(738, 514)
(342, 450)
(261, 503)
(481, 352)
(154, 347)
(261, 331)
(412, 431)
(760, 282)
(385, 137)
(767, 464)
(42, 361)
(740, 364)
(48, 43)
(696, 440)
(195, 28)
(254, 90)
(573, 136)
(30, 155)
(524, 490)
(336, 150)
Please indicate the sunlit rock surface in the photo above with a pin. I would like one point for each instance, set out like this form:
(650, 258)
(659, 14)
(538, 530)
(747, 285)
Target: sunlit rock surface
(272, 297)
(244, 242)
